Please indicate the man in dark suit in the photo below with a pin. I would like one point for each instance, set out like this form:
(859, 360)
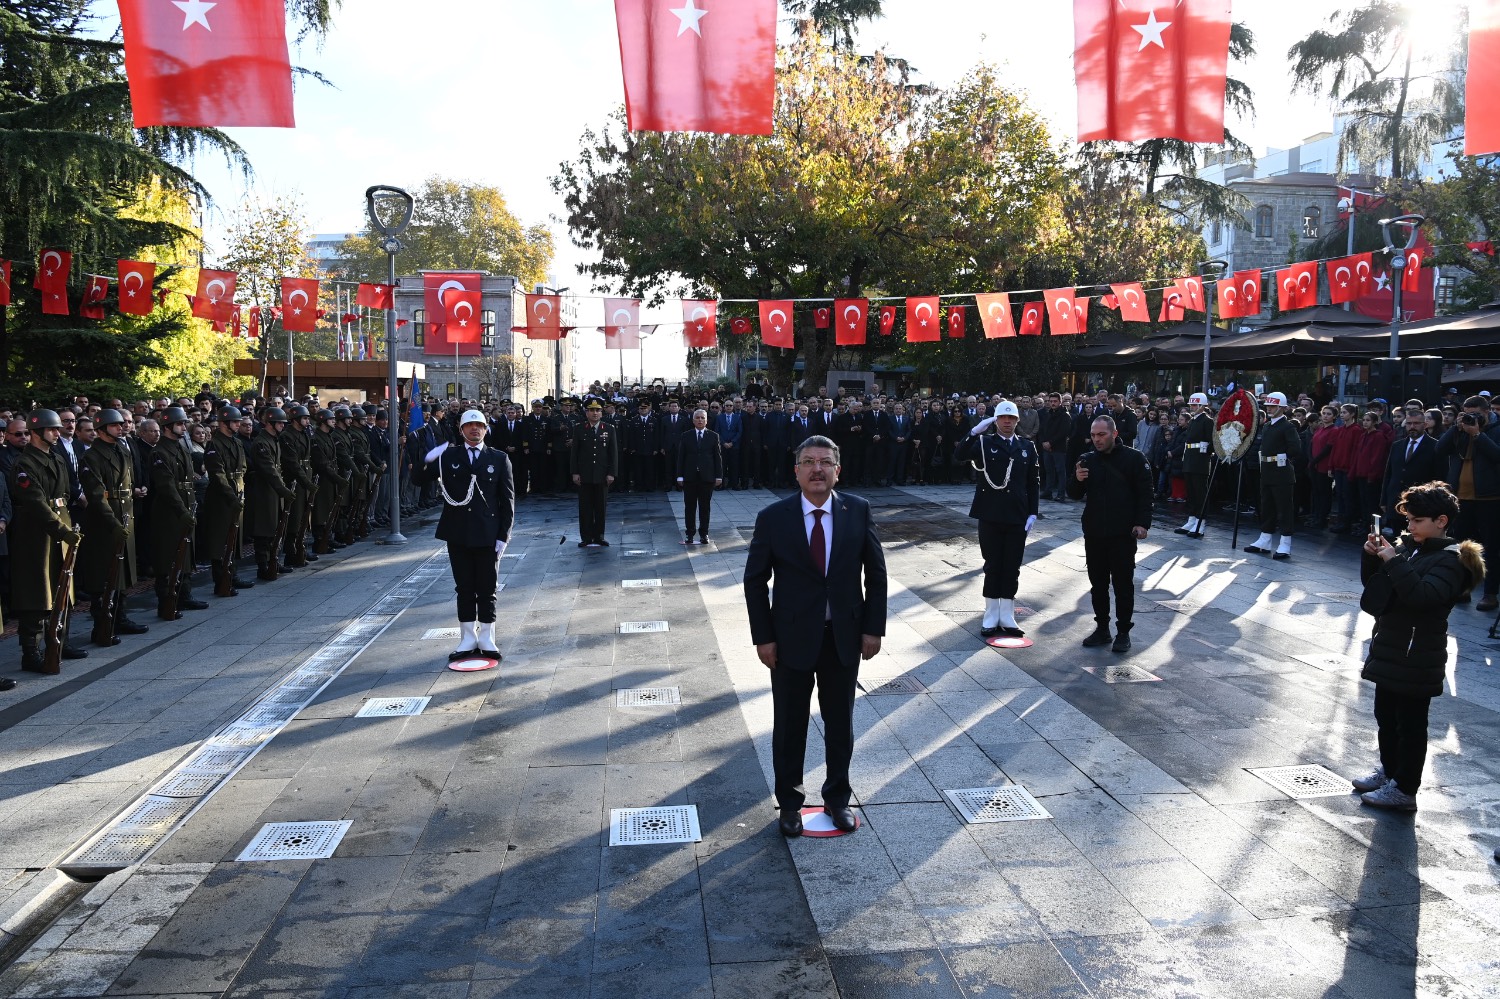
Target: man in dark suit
(730, 427)
(775, 424)
(824, 620)
(700, 466)
(1412, 462)
(479, 509)
(674, 423)
(752, 446)
(509, 435)
(902, 433)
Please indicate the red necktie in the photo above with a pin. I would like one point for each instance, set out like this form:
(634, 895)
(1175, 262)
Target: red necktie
(819, 550)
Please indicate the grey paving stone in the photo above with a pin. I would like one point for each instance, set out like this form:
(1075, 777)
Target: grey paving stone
(790, 979)
(911, 974)
(542, 923)
(422, 947)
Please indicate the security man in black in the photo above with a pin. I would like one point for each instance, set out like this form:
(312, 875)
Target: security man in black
(1115, 483)
(479, 510)
(1006, 499)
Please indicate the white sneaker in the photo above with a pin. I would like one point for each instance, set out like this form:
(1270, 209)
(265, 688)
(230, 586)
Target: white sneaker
(1390, 796)
(1372, 781)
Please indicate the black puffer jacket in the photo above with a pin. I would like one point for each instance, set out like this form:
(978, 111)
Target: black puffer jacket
(1410, 598)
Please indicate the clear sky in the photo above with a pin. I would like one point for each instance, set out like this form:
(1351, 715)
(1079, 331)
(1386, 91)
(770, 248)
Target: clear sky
(499, 92)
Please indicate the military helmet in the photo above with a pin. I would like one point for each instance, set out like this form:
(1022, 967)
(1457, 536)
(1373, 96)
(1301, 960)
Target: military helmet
(274, 414)
(108, 417)
(341, 413)
(325, 415)
(43, 419)
(174, 414)
(296, 412)
(357, 413)
(229, 414)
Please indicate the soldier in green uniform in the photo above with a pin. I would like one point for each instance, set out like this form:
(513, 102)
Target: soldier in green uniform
(333, 482)
(297, 473)
(343, 527)
(594, 458)
(40, 529)
(106, 562)
(1197, 462)
(224, 502)
(364, 463)
(172, 515)
(1280, 446)
(266, 493)
(561, 429)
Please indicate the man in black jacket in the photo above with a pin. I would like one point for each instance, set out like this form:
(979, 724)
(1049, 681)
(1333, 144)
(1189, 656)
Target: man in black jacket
(1052, 438)
(1114, 482)
(1413, 461)
(1472, 447)
(700, 466)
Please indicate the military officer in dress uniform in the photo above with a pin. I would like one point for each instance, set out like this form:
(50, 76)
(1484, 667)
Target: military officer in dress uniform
(297, 473)
(107, 561)
(266, 492)
(479, 509)
(224, 503)
(1005, 503)
(41, 483)
(594, 458)
(333, 483)
(172, 517)
(561, 428)
(358, 436)
(1197, 463)
(536, 450)
(1280, 446)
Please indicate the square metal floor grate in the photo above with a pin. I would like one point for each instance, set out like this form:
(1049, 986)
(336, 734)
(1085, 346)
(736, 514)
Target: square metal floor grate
(662, 824)
(296, 841)
(153, 813)
(1122, 673)
(1305, 781)
(1011, 803)
(213, 761)
(188, 785)
(641, 627)
(635, 552)
(1351, 598)
(639, 584)
(117, 848)
(432, 633)
(894, 685)
(392, 707)
(1330, 661)
(646, 697)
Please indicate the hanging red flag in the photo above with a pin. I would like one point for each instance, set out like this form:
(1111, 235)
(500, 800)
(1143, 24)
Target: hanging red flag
(376, 296)
(1031, 318)
(1081, 313)
(463, 317)
(956, 322)
(1481, 111)
(52, 281)
(1171, 306)
(402, 322)
(776, 324)
(1060, 311)
(820, 318)
(622, 325)
(92, 306)
(136, 280)
(1132, 298)
(349, 317)
(299, 304)
(4, 282)
(698, 68)
(542, 317)
(208, 64)
(853, 315)
(253, 327)
(887, 320)
(1239, 295)
(1297, 286)
(922, 320)
(437, 289)
(994, 314)
(700, 321)
(1484, 246)
(234, 324)
(1350, 278)
(1192, 294)
(1411, 278)
(739, 325)
(215, 295)
(1142, 77)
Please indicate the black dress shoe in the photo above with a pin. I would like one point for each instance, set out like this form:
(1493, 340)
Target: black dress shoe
(6, 683)
(1180, 530)
(73, 652)
(125, 626)
(989, 632)
(244, 584)
(1098, 638)
(1012, 632)
(169, 617)
(1196, 535)
(1256, 550)
(843, 818)
(601, 542)
(1281, 556)
(790, 823)
(192, 605)
(1122, 642)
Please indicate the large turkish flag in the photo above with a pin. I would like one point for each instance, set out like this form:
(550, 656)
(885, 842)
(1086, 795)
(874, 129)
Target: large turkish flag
(464, 324)
(137, 278)
(299, 304)
(1351, 278)
(776, 324)
(1149, 70)
(851, 315)
(194, 62)
(52, 281)
(439, 288)
(543, 317)
(922, 320)
(1481, 110)
(700, 321)
(706, 66)
(1060, 311)
(994, 313)
(622, 323)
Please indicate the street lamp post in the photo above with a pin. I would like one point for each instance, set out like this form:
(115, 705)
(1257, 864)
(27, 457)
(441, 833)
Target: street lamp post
(1213, 272)
(526, 354)
(389, 209)
(1400, 260)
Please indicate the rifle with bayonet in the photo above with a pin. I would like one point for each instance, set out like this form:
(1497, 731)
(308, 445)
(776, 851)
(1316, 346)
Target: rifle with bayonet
(273, 569)
(104, 620)
(174, 578)
(57, 621)
(224, 585)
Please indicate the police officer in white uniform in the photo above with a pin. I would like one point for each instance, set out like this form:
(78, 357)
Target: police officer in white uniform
(1005, 504)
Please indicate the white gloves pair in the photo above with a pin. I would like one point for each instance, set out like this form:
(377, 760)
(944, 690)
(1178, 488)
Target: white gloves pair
(436, 452)
(1030, 523)
(981, 426)
(500, 548)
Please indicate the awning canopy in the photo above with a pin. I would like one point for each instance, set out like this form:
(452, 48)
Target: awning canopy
(1471, 336)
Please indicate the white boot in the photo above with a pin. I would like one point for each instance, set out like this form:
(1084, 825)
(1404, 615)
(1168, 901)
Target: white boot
(1262, 545)
(1283, 549)
(991, 613)
(1007, 612)
(487, 638)
(1189, 527)
(468, 637)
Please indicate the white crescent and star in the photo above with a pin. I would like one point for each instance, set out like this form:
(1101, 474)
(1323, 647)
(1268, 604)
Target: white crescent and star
(1231, 294)
(1304, 276)
(699, 313)
(857, 315)
(212, 297)
(918, 312)
(442, 292)
(49, 256)
(536, 310)
(1341, 275)
(139, 279)
(1150, 32)
(1382, 282)
(687, 19)
(772, 316)
(614, 320)
(458, 310)
(196, 12)
(1250, 288)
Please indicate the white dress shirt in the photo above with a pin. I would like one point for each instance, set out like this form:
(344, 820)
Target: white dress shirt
(808, 520)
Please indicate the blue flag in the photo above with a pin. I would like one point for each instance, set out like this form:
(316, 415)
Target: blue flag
(418, 420)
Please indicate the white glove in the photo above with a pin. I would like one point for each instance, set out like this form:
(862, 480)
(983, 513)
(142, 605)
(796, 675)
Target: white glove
(679, 480)
(436, 452)
(981, 426)
(1030, 523)
(500, 548)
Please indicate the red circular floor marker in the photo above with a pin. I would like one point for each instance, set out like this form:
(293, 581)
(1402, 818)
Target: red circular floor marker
(473, 664)
(1008, 642)
(819, 825)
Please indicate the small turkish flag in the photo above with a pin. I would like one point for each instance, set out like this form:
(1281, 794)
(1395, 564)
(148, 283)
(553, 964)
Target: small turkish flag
(1351, 278)
(1141, 77)
(1481, 111)
(215, 295)
(407, 322)
(955, 322)
(376, 296)
(887, 320)
(299, 304)
(1031, 318)
(1297, 286)
(542, 317)
(1411, 278)
(349, 317)
(700, 322)
(1239, 295)
(922, 320)
(776, 324)
(622, 325)
(52, 281)
(1171, 306)
(463, 316)
(1192, 293)
(852, 315)
(820, 317)
(1132, 298)
(1485, 246)
(1081, 313)
(994, 315)
(198, 63)
(234, 324)
(739, 325)
(92, 306)
(1060, 311)
(4, 282)
(136, 280)
(253, 327)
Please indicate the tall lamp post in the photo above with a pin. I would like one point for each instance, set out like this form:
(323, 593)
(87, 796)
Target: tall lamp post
(389, 210)
(1213, 272)
(1400, 260)
(526, 354)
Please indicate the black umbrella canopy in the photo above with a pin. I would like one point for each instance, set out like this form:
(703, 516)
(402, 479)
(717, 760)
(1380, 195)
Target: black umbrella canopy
(1321, 315)
(1471, 336)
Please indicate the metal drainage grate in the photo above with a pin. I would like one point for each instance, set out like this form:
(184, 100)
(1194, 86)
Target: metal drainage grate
(645, 826)
(1122, 673)
(1180, 606)
(213, 761)
(432, 633)
(188, 785)
(515, 555)
(895, 685)
(116, 848)
(153, 813)
(1329, 661)
(1306, 781)
(243, 735)
(639, 584)
(296, 841)
(392, 707)
(1351, 598)
(1011, 803)
(641, 627)
(646, 697)
(634, 552)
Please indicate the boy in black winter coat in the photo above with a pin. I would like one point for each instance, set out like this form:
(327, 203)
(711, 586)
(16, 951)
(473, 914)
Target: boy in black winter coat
(1409, 589)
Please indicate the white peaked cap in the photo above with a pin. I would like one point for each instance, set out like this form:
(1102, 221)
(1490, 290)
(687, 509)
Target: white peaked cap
(1007, 409)
(1198, 399)
(473, 416)
(1276, 399)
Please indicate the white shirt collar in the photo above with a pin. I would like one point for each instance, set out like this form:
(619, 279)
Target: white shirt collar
(808, 508)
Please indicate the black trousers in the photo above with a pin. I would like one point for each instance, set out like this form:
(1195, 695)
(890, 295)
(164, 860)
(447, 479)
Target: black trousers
(1278, 508)
(697, 501)
(1479, 520)
(1055, 473)
(643, 471)
(474, 581)
(591, 501)
(1111, 564)
(732, 467)
(1402, 722)
(1197, 493)
(900, 453)
(1003, 546)
(791, 702)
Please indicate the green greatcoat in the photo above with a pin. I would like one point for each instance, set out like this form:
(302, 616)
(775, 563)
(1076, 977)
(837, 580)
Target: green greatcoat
(172, 500)
(39, 484)
(107, 473)
(224, 502)
(297, 472)
(264, 489)
(359, 454)
(333, 480)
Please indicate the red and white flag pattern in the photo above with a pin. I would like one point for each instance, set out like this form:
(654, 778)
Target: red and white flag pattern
(922, 320)
(850, 315)
(700, 320)
(994, 314)
(776, 324)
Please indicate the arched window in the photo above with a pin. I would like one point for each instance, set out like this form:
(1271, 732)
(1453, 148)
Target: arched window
(1312, 222)
(1265, 217)
(487, 327)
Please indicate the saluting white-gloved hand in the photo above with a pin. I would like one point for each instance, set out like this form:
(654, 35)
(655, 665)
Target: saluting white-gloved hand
(437, 452)
(499, 548)
(1030, 523)
(981, 426)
